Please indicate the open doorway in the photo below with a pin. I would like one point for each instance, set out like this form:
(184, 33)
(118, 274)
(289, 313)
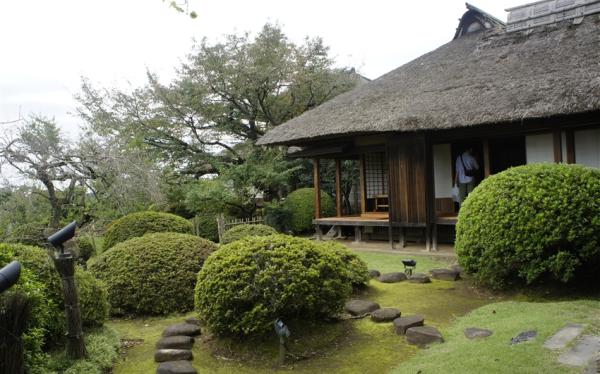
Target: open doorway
(506, 153)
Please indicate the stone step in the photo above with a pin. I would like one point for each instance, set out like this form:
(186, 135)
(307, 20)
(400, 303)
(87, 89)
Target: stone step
(423, 335)
(385, 315)
(359, 307)
(564, 336)
(186, 329)
(175, 342)
(164, 355)
(582, 353)
(176, 367)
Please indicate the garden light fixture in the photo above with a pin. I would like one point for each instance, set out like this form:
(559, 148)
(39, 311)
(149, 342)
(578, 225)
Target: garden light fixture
(9, 275)
(409, 265)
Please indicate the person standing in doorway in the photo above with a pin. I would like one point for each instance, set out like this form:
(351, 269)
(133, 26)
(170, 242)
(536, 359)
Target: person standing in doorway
(466, 169)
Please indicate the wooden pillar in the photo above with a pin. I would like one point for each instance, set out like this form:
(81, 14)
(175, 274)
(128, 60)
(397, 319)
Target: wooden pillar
(557, 140)
(486, 158)
(570, 139)
(317, 184)
(363, 184)
(338, 188)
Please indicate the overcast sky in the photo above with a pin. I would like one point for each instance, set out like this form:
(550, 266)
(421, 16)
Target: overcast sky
(47, 46)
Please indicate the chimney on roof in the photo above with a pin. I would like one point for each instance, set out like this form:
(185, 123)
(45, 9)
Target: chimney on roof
(549, 11)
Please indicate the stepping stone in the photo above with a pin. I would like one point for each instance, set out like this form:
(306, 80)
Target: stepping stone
(476, 332)
(445, 274)
(419, 278)
(186, 329)
(385, 315)
(525, 336)
(176, 367)
(583, 352)
(422, 335)
(392, 277)
(564, 336)
(163, 355)
(404, 323)
(175, 342)
(358, 307)
(193, 321)
(374, 273)
(594, 366)
(457, 268)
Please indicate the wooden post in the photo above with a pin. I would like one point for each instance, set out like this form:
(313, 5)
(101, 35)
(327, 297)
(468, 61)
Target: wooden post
(317, 184)
(14, 316)
(570, 140)
(221, 226)
(486, 158)
(65, 265)
(363, 189)
(557, 140)
(338, 188)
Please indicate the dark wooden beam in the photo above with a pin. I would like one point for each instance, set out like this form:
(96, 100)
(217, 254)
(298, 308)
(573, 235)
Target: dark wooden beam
(486, 158)
(570, 140)
(363, 189)
(557, 140)
(317, 185)
(338, 188)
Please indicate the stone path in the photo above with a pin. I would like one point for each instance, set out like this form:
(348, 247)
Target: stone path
(564, 336)
(582, 353)
(174, 350)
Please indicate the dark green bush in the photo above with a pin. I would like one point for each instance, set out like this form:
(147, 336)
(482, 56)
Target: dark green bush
(154, 274)
(205, 226)
(137, 224)
(85, 247)
(356, 268)
(246, 284)
(279, 217)
(301, 204)
(33, 292)
(92, 293)
(532, 223)
(241, 231)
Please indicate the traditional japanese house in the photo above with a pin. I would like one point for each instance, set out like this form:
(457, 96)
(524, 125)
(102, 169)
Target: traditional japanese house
(523, 92)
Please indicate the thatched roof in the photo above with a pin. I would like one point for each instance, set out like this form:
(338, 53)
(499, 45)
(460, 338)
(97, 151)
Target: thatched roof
(491, 77)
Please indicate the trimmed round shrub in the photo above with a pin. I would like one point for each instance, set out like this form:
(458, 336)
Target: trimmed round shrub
(532, 223)
(141, 223)
(241, 231)
(92, 295)
(205, 226)
(301, 204)
(246, 284)
(154, 274)
(85, 247)
(357, 270)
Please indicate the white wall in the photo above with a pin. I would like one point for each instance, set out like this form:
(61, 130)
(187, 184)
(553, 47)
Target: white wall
(587, 147)
(442, 167)
(539, 148)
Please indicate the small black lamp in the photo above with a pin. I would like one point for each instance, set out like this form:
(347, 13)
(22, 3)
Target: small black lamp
(9, 275)
(283, 333)
(409, 265)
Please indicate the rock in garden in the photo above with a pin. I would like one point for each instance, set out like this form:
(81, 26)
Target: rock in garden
(392, 277)
(422, 335)
(374, 273)
(186, 329)
(419, 278)
(476, 332)
(525, 336)
(385, 315)
(404, 323)
(175, 342)
(163, 355)
(457, 268)
(445, 274)
(358, 307)
(193, 321)
(176, 367)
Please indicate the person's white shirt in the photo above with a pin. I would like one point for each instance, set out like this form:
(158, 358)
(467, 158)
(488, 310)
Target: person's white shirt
(470, 162)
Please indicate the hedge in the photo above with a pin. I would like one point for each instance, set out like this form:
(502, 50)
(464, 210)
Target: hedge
(246, 284)
(137, 224)
(154, 274)
(301, 204)
(241, 231)
(532, 223)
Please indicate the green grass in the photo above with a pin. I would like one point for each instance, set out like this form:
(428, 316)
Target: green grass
(351, 346)
(494, 354)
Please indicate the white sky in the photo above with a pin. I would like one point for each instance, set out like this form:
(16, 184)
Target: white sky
(47, 46)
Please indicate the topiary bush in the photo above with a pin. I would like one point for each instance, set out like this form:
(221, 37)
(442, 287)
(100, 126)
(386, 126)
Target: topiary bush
(532, 223)
(154, 274)
(356, 268)
(205, 226)
(137, 224)
(85, 247)
(92, 294)
(246, 284)
(241, 231)
(301, 204)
